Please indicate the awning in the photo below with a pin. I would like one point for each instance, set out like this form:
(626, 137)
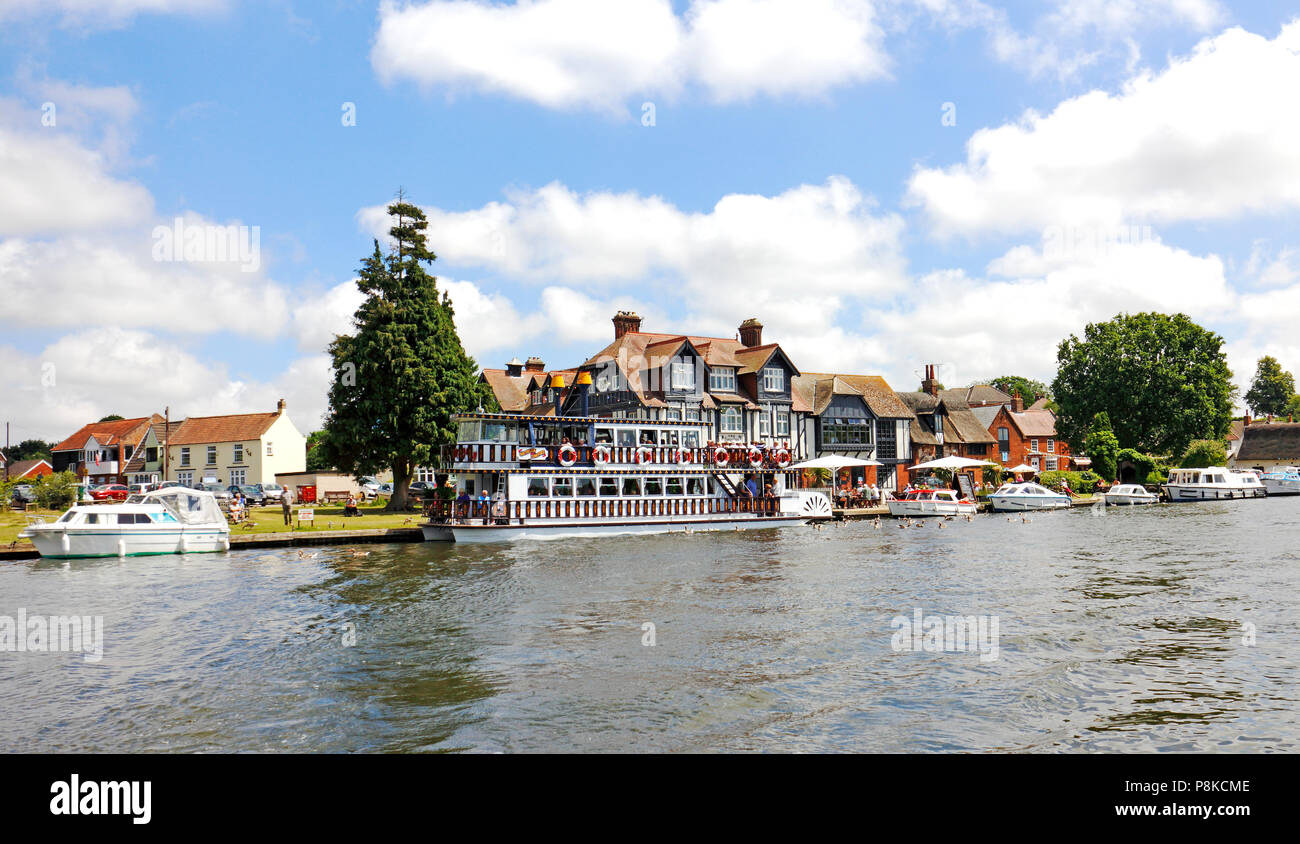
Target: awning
(952, 463)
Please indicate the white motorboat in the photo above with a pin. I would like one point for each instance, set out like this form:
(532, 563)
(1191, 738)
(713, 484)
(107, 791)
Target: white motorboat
(1027, 496)
(931, 502)
(175, 520)
(1129, 494)
(1211, 484)
(1284, 480)
(533, 477)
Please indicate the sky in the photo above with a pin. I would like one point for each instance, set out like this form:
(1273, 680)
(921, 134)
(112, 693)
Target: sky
(883, 183)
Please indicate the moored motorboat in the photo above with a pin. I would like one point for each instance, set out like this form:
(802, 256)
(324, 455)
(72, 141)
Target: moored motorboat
(1213, 483)
(1129, 494)
(175, 520)
(1027, 496)
(930, 502)
(1284, 480)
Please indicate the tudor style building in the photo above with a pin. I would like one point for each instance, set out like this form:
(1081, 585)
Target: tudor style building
(944, 424)
(855, 416)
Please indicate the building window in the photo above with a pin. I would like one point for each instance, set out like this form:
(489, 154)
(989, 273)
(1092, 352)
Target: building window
(1033, 446)
(722, 379)
(683, 376)
(1051, 464)
(773, 379)
(731, 420)
(764, 423)
(978, 449)
(151, 455)
(848, 430)
(693, 414)
(783, 423)
(270, 452)
(887, 441)
(237, 476)
(673, 415)
(212, 455)
(423, 473)
(1051, 446)
(185, 478)
(185, 457)
(239, 453)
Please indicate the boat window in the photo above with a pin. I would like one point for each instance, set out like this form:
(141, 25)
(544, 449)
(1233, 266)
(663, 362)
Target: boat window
(562, 486)
(631, 486)
(654, 486)
(627, 437)
(609, 486)
(691, 439)
(67, 517)
(649, 437)
(586, 486)
(497, 432)
(695, 486)
(91, 519)
(538, 488)
(468, 431)
(164, 517)
(604, 435)
(674, 486)
(668, 437)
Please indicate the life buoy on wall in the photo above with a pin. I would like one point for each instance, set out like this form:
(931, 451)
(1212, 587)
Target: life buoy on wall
(755, 457)
(683, 456)
(644, 454)
(568, 455)
(720, 456)
(600, 454)
(783, 457)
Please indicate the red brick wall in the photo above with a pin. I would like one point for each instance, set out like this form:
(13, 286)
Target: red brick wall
(1021, 447)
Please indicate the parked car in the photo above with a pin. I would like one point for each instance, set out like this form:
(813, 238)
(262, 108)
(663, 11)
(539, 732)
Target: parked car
(24, 493)
(421, 489)
(219, 492)
(386, 489)
(141, 489)
(369, 487)
(115, 492)
(271, 493)
(252, 493)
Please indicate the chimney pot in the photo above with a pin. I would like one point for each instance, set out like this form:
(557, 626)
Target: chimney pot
(535, 364)
(751, 333)
(279, 406)
(1017, 403)
(626, 321)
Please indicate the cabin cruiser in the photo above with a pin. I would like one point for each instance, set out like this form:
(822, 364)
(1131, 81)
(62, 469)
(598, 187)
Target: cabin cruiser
(1027, 496)
(931, 502)
(1213, 483)
(1284, 480)
(1128, 494)
(175, 520)
(519, 476)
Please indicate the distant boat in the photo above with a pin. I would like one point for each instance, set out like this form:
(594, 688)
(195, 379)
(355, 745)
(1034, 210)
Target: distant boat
(1284, 480)
(175, 520)
(1027, 496)
(930, 502)
(1129, 494)
(1211, 484)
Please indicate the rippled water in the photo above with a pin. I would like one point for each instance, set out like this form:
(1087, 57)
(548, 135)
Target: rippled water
(1117, 632)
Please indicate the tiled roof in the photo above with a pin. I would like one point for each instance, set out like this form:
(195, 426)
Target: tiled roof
(1035, 423)
(1270, 441)
(109, 433)
(511, 393)
(222, 429)
(1039, 404)
(961, 425)
(874, 390)
(18, 468)
(986, 414)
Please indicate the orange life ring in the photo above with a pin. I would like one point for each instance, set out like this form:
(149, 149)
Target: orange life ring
(683, 456)
(644, 454)
(783, 457)
(600, 454)
(755, 457)
(568, 448)
(720, 456)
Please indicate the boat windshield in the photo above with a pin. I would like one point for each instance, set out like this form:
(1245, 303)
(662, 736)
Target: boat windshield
(189, 506)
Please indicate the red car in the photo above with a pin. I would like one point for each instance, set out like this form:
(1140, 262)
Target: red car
(117, 492)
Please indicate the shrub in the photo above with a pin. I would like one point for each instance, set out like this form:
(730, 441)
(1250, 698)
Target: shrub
(1084, 481)
(55, 492)
(1204, 453)
(1102, 446)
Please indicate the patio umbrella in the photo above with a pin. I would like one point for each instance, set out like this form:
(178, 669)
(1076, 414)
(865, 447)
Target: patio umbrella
(1020, 470)
(952, 463)
(834, 463)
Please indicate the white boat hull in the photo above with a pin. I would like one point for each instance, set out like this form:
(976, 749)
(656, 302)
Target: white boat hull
(1281, 487)
(1205, 492)
(899, 507)
(1125, 500)
(63, 543)
(568, 529)
(1022, 503)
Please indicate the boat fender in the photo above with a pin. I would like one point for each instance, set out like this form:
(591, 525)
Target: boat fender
(720, 457)
(568, 455)
(601, 455)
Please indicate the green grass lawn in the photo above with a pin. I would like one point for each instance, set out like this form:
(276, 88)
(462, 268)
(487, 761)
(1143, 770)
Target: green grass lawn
(265, 520)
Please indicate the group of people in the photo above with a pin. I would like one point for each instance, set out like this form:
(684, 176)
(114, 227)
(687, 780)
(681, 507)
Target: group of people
(864, 494)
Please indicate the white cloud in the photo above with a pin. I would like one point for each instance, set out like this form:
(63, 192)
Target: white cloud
(593, 53)
(1211, 137)
(747, 253)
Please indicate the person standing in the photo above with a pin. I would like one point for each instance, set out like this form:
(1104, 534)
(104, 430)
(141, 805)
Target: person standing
(286, 505)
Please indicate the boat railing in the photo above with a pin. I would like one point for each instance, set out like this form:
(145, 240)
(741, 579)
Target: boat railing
(734, 457)
(522, 512)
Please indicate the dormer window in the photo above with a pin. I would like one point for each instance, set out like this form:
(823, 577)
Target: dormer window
(683, 376)
(722, 379)
(773, 379)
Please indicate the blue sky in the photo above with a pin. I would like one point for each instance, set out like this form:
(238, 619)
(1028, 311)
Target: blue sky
(798, 169)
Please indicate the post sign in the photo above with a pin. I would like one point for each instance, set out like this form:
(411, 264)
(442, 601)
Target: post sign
(967, 483)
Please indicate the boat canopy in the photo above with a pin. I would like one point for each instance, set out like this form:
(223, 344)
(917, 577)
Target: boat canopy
(190, 506)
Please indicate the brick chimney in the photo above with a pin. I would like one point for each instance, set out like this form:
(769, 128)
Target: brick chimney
(534, 364)
(751, 333)
(279, 406)
(929, 384)
(625, 321)
(1017, 403)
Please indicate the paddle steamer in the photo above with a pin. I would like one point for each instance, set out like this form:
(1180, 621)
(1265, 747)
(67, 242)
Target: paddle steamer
(519, 476)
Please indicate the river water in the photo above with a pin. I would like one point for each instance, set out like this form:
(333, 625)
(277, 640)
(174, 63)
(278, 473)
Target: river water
(1166, 628)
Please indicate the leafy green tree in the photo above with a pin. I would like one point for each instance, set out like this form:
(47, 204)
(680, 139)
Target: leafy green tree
(1272, 388)
(1204, 453)
(31, 449)
(55, 492)
(317, 460)
(1102, 446)
(1028, 388)
(403, 373)
(1292, 408)
(1163, 380)
(112, 417)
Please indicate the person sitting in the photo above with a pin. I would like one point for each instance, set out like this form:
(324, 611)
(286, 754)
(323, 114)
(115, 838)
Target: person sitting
(236, 510)
(350, 509)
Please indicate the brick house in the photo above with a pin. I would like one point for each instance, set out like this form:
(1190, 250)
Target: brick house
(945, 426)
(1029, 437)
(98, 453)
(27, 470)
